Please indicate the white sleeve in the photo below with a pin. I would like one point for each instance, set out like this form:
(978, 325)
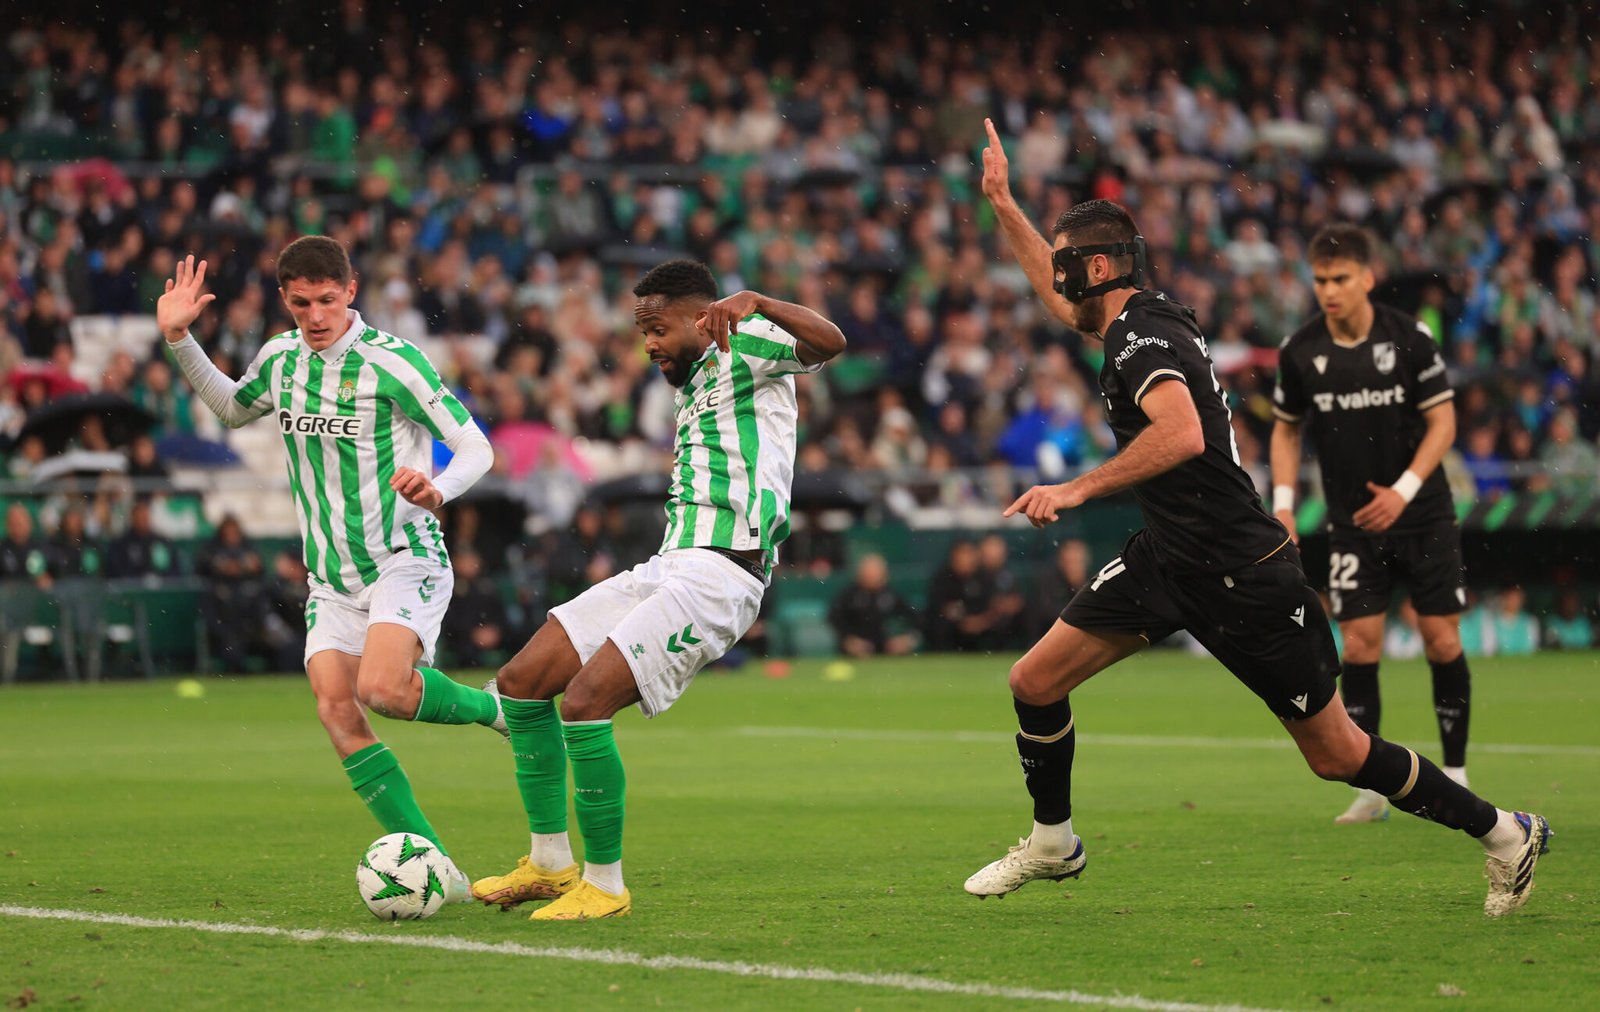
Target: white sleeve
(234, 403)
(472, 458)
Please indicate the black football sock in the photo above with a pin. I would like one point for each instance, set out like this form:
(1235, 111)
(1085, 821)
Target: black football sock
(1358, 684)
(1452, 704)
(1414, 784)
(1045, 744)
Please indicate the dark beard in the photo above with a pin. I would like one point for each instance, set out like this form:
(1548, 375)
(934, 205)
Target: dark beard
(1091, 315)
(677, 371)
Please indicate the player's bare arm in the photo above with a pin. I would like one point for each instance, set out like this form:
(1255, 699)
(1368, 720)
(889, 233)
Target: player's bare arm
(1389, 501)
(1285, 455)
(817, 339)
(1030, 248)
(183, 300)
(1173, 436)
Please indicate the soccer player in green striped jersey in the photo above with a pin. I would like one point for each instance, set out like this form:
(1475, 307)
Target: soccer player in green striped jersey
(359, 411)
(641, 636)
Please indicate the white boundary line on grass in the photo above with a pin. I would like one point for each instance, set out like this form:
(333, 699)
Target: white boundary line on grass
(617, 957)
(1131, 740)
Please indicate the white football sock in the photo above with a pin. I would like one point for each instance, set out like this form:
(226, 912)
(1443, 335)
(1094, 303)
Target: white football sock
(1456, 773)
(607, 877)
(1052, 841)
(550, 851)
(1506, 838)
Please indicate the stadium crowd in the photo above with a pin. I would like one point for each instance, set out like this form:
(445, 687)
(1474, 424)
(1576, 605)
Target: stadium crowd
(500, 185)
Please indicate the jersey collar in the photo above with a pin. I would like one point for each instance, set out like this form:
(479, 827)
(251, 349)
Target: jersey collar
(335, 351)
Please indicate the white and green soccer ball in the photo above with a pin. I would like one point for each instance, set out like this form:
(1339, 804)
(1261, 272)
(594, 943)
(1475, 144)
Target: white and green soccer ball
(401, 877)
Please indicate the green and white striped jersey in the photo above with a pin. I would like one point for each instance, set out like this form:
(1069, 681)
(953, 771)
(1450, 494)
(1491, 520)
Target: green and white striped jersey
(349, 416)
(736, 419)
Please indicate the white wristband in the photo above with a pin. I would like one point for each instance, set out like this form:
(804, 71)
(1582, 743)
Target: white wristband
(1408, 485)
(1282, 498)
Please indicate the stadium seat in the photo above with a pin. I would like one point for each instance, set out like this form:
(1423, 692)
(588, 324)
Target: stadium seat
(36, 619)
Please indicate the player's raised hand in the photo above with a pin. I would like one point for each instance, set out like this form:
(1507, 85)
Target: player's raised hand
(722, 317)
(996, 170)
(180, 306)
(1380, 514)
(1043, 504)
(416, 488)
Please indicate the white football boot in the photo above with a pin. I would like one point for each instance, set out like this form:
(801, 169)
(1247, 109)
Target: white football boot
(1021, 866)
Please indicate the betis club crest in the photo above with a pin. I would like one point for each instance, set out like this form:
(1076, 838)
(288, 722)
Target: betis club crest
(1383, 357)
(347, 389)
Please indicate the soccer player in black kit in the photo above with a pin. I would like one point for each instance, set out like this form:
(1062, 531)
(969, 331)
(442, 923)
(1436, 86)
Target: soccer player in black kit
(1369, 383)
(1210, 560)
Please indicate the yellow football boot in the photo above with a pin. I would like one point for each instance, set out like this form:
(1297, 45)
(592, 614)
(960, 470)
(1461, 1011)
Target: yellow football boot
(526, 882)
(586, 902)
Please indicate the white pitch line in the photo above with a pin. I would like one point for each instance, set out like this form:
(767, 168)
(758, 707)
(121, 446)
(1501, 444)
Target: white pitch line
(617, 957)
(1131, 740)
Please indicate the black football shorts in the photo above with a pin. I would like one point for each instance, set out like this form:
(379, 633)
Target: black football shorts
(1364, 568)
(1263, 622)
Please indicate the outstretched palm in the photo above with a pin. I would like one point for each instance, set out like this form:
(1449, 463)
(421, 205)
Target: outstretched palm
(181, 304)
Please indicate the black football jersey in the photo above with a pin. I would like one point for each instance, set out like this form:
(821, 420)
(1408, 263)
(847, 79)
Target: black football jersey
(1205, 514)
(1363, 405)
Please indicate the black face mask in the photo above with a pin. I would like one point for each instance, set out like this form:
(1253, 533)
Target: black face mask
(1074, 286)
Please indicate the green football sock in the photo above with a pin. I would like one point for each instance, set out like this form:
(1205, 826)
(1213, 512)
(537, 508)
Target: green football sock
(446, 701)
(541, 758)
(599, 786)
(376, 775)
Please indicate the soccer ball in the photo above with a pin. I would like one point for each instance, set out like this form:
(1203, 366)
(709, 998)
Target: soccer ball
(401, 877)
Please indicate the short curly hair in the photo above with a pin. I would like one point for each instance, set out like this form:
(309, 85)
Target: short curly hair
(678, 279)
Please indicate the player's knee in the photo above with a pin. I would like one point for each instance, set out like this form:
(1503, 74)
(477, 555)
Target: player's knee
(1441, 646)
(580, 702)
(517, 678)
(339, 716)
(1032, 686)
(385, 695)
(1341, 765)
(1361, 649)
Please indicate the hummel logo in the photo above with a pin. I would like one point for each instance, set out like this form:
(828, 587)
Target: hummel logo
(1299, 701)
(638, 649)
(1299, 617)
(1321, 362)
(405, 612)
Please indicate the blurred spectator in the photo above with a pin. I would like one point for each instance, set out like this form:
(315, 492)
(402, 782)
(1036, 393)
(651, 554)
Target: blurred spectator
(1572, 463)
(76, 553)
(1568, 628)
(140, 551)
(1006, 601)
(232, 605)
(870, 617)
(581, 558)
(1487, 466)
(283, 629)
(1477, 627)
(475, 627)
(960, 613)
(1060, 578)
(143, 461)
(1402, 639)
(1515, 631)
(22, 555)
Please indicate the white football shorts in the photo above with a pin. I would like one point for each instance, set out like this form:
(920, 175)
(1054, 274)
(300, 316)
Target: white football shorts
(409, 591)
(670, 617)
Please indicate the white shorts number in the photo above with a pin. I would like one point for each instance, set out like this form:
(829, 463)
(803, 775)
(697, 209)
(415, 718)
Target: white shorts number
(1342, 568)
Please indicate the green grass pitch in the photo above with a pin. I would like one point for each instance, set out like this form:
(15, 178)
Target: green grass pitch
(810, 823)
